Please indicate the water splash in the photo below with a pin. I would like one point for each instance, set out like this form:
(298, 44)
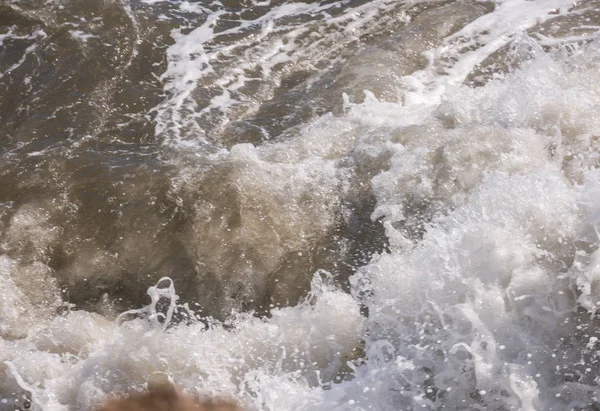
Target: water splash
(151, 312)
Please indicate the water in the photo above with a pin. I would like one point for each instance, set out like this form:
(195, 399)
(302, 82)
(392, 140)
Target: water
(349, 205)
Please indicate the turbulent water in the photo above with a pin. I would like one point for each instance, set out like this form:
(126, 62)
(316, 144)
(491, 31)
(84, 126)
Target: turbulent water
(337, 204)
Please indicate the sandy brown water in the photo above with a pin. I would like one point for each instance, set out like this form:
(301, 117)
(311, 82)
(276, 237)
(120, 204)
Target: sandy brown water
(240, 147)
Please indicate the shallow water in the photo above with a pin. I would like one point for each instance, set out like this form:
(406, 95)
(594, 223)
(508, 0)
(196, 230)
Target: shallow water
(350, 205)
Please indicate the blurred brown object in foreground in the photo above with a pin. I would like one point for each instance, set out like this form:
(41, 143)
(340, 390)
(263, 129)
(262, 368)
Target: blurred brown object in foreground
(165, 397)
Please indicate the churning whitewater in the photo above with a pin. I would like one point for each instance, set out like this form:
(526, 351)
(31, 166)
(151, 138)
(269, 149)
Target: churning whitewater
(321, 205)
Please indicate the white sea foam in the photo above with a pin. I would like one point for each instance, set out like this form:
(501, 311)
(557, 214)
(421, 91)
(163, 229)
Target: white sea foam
(490, 198)
(197, 91)
(38, 34)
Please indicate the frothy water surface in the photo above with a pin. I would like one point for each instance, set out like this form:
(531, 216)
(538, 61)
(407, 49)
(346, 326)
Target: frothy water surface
(349, 205)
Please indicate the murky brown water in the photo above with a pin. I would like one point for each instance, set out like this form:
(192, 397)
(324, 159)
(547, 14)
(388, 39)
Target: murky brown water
(238, 147)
